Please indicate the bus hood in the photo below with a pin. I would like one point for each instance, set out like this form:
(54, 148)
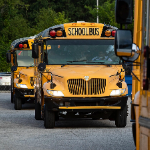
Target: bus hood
(25, 77)
(27, 72)
(79, 71)
(71, 78)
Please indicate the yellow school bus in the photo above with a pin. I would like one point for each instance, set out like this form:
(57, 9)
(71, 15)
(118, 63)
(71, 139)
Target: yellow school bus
(140, 104)
(78, 75)
(22, 72)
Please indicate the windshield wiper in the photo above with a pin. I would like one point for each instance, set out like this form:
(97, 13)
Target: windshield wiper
(76, 61)
(71, 61)
(100, 62)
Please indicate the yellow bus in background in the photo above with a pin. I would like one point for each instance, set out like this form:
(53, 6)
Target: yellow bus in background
(140, 55)
(78, 75)
(22, 72)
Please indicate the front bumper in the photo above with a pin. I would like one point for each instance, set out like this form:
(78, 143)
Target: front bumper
(86, 104)
(24, 93)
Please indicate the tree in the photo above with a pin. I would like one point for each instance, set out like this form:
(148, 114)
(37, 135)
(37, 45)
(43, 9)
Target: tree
(48, 17)
(106, 13)
(12, 26)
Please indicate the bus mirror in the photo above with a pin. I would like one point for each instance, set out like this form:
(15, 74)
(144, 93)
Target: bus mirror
(135, 54)
(13, 68)
(123, 43)
(8, 57)
(124, 11)
(42, 66)
(35, 50)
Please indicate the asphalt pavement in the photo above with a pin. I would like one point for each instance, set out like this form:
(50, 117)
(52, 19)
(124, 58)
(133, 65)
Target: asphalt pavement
(20, 131)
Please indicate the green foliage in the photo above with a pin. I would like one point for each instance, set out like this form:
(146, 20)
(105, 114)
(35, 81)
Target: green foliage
(23, 18)
(50, 18)
(4, 47)
(106, 13)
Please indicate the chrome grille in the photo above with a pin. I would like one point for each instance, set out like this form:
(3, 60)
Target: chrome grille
(94, 86)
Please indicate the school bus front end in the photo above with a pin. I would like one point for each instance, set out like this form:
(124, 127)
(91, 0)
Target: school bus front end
(76, 82)
(95, 93)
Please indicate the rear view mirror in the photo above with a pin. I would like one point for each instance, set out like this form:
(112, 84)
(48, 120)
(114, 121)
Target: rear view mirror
(13, 68)
(123, 43)
(35, 50)
(8, 57)
(42, 66)
(135, 54)
(124, 11)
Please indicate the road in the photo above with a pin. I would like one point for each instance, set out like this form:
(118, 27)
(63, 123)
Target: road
(20, 131)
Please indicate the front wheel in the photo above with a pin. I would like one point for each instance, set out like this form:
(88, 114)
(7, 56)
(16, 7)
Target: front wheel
(37, 109)
(12, 96)
(49, 118)
(134, 132)
(121, 117)
(17, 103)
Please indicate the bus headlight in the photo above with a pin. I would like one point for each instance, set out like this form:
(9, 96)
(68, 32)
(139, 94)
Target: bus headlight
(55, 93)
(21, 85)
(117, 92)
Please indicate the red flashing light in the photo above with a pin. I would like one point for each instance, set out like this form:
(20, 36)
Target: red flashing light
(52, 33)
(20, 45)
(145, 84)
(145, 51)
(113, 32)
(0, 77)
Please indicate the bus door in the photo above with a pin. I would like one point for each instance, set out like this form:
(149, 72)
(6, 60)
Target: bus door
(144, 111)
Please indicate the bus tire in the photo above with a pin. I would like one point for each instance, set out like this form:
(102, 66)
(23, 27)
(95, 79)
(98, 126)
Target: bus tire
(49, 118)
(134, 132)
(12, 96)
(17, 103)
(37, 109)
(95, 118)
(121, 117)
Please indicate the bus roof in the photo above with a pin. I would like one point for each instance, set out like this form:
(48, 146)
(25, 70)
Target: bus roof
(45, 33)
(13, 44)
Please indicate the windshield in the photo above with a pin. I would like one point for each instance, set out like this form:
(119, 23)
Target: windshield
(24, 58)
(81, 52)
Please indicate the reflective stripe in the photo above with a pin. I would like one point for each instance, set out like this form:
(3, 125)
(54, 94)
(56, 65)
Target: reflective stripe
(29, 96)
(91, 107)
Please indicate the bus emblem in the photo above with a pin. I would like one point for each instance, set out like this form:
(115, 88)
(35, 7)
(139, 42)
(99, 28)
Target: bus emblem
(86, 78)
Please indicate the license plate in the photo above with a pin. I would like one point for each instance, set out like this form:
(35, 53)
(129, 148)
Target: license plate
(6, 83)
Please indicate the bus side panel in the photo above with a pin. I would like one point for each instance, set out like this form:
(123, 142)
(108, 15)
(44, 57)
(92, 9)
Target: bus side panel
(145, 138)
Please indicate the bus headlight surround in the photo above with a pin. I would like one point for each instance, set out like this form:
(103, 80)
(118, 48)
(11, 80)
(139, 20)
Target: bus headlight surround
(117, 92)
(21, 85)
(55, 93)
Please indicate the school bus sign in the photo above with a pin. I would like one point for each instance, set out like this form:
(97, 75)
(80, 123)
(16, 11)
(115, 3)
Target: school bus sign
(83, 31)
